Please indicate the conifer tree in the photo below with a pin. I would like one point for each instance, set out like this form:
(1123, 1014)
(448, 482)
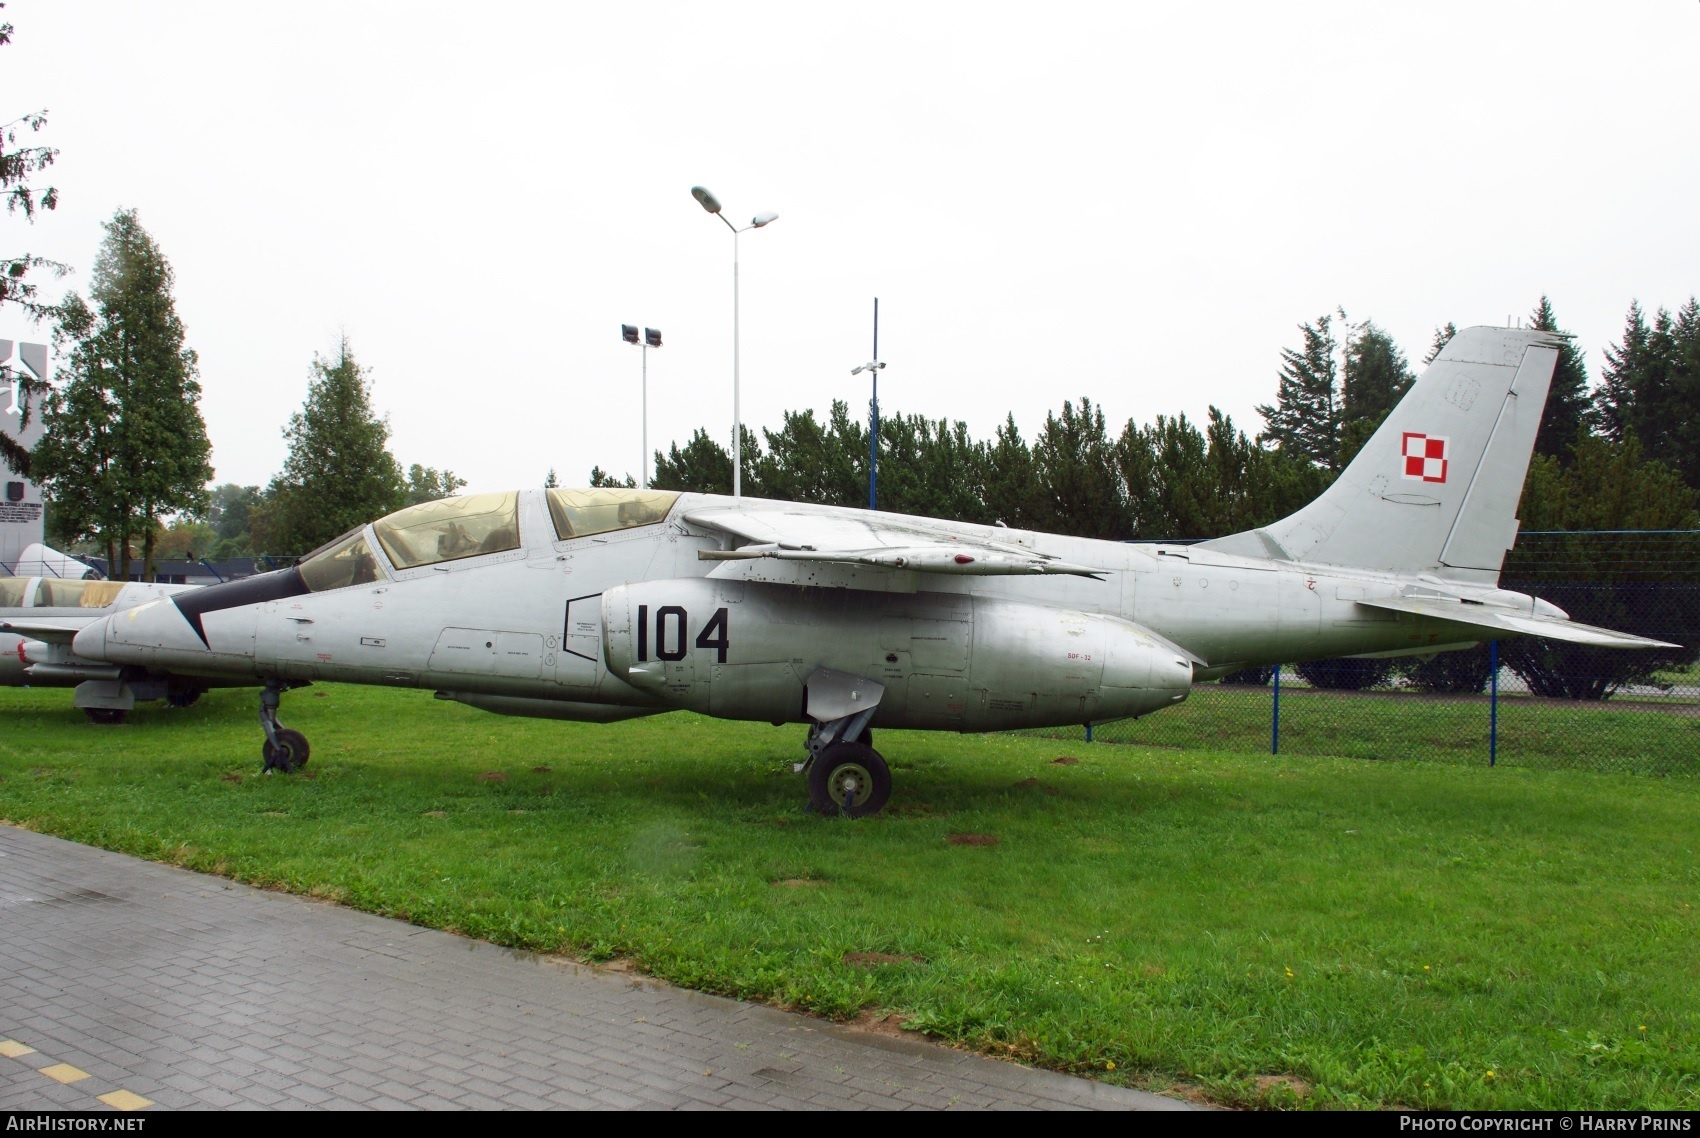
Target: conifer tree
(339, 472)
(1376, 378)
(1566, 414)
(125, 442)
(1651, 388)
(1304, 421)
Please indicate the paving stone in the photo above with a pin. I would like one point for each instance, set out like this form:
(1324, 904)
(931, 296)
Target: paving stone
(199, 993)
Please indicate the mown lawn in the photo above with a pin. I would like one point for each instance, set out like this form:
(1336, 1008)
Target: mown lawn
(1620, 735)
(1373, 933)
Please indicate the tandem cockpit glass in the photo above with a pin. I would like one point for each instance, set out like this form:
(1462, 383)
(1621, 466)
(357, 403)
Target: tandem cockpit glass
(448, 530)
(585, 513)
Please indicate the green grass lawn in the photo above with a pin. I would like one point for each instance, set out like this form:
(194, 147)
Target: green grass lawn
(1379, 933)
(1619, 735)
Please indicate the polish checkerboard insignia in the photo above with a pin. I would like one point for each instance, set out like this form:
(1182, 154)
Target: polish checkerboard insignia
(1425, 457)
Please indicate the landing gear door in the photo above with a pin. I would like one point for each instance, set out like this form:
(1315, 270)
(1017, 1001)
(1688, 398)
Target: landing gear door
(580, 661)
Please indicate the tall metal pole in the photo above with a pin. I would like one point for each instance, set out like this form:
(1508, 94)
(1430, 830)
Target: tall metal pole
(645, 416)
(1493, 705)
(874, 433)
(737, 422)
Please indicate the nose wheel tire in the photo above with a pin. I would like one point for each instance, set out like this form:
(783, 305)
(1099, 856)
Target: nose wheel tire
(290, 753)
(849, 779)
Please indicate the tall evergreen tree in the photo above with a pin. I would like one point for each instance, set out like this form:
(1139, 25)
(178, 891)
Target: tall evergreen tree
(705, 467)
(125, 442)
(427, 484)
(1566, 412)
(1651, 388)
(1304, 421)
(702, 467)
(1376, 378)
(339, 472)
(1010, 478)
(1076, 468)
(810, 461)
(931, 468)
(1442, 336)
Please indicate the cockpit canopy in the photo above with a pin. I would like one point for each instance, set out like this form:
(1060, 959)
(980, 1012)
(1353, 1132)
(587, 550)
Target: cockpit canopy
(453, 528)
(449, 529)
(584, 513)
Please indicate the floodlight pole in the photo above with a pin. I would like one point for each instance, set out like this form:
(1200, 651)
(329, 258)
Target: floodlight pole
(873, 367)
(874, 434)
(651, 339)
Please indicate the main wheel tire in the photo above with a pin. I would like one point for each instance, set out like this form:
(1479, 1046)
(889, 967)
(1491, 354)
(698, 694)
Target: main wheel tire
(849, 779)
(290, 754)
(105, 715)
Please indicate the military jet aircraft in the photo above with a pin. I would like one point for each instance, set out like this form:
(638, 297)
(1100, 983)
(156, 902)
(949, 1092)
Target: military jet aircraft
(606, 604)
(39, 616)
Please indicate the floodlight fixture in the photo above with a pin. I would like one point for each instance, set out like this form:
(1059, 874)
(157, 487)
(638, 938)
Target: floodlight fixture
(628, 333)
(652, 337)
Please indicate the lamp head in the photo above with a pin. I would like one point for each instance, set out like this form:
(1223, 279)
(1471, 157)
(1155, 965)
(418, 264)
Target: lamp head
(762, 219)
(707, 200)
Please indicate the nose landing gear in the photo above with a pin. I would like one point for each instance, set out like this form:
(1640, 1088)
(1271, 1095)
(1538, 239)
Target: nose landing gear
(285, 749)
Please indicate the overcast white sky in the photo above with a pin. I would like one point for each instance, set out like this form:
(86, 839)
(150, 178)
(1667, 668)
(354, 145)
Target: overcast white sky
(1133, 202)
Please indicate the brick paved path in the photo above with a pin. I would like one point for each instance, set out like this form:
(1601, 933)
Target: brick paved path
(124, 983)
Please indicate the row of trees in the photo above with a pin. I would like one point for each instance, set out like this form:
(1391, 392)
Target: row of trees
(125, 446)
(1170, 478)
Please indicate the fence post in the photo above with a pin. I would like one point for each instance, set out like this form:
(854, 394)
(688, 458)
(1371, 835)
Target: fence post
(1089, 732)
(1493, 704)
(1275, 717)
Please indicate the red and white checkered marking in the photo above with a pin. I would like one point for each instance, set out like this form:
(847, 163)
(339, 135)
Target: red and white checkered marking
(1425, 457)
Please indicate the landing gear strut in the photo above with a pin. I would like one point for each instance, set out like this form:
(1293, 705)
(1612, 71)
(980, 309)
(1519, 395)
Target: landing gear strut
(285, 750)
(846, 775)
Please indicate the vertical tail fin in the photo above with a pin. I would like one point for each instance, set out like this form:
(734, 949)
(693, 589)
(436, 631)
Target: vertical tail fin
(1436, 487)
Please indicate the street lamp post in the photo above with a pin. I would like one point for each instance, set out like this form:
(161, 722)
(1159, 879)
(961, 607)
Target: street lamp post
(873, 367)
(709, 202)
(651, 339)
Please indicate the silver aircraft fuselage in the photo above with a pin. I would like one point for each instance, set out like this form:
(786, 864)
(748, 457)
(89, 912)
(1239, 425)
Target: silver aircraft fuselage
(635, 621)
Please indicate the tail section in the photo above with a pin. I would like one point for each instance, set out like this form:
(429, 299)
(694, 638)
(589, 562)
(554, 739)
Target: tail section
(1436, 487)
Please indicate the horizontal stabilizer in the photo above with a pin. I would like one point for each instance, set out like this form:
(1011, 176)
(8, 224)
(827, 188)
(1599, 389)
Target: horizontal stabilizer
(52, 631)
(1514, 623)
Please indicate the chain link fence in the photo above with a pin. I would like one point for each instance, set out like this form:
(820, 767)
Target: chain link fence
(1523, 702)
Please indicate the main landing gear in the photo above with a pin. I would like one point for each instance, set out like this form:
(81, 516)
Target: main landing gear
(285, 750)
(846, 775)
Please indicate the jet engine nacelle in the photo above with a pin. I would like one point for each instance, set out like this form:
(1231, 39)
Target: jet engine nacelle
(746, 650)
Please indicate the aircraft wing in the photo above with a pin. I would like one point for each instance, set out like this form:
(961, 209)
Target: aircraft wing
(52, 631)
(871, 541)
(1520, 623)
